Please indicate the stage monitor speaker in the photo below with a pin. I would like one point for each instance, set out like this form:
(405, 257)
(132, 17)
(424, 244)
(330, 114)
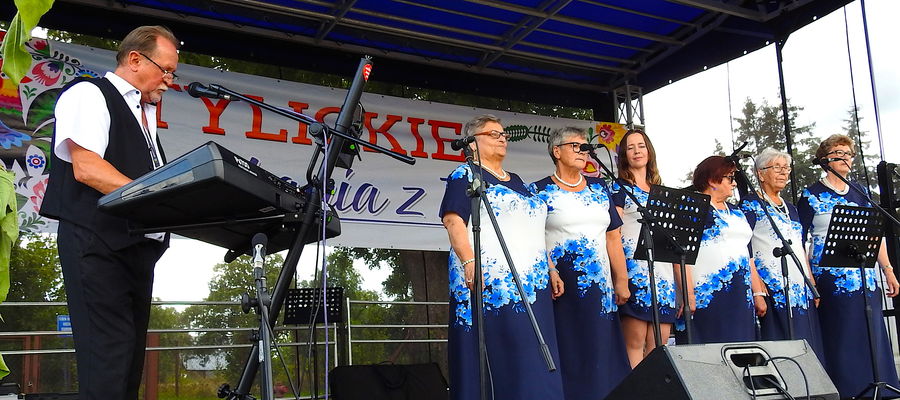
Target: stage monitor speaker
(730, 371)
(388, 382)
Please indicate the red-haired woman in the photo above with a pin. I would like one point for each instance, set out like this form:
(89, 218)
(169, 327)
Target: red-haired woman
(726, 288)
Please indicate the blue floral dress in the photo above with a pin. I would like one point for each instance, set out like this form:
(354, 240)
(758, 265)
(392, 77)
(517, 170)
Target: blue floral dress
(517, 369)
(638, 306)
(591, 345)
(774, 325)
(721, 275)
(841, 311)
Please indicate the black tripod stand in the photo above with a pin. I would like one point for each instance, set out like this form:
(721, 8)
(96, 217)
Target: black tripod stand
(476, 192)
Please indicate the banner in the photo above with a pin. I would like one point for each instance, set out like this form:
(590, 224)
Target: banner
(382, 203)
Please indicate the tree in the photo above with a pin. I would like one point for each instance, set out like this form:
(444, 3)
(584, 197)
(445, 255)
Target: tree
(864, 166)
(762, 125)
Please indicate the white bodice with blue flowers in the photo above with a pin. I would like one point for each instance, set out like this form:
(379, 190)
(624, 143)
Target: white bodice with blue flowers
(820, 200)
(576, 225)
(765, 241)
(723, 253)
(521, 220)
(638, 270)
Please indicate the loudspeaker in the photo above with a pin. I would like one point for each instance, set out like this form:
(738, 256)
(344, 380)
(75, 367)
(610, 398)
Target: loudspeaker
(388, 382)
(730, 371)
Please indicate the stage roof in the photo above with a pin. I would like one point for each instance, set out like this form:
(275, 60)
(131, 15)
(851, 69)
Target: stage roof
(564, 52)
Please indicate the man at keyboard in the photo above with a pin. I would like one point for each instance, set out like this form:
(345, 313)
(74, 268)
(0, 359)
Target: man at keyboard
(105, 137)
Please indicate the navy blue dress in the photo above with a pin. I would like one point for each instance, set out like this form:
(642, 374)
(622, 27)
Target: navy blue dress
(774, 325)
(639, 305)
(721, 275)
(841, 311)
(517, 369)
(591, 345)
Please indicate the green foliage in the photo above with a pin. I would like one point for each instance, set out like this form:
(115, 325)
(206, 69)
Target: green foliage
(762, 125)
(16, 60)
(865, 163)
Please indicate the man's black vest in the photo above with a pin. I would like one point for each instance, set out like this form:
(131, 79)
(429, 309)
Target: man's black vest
(69, 200)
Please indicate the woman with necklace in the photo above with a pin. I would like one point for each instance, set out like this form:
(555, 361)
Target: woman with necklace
(725, 284)
(585, 247)
(841, 312)
(637, 170)
(517, 368)
(773, 169)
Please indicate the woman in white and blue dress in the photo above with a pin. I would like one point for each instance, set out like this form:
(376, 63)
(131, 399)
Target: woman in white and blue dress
(637, 170)
(773, 170)
(585, 247)
(841, 311)
(724, 286)
(517, 368)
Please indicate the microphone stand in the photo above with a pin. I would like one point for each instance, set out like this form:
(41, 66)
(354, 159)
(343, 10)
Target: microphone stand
(261, 304)
(646, 221)
(311, 209)
(477, 195)
(781, 252)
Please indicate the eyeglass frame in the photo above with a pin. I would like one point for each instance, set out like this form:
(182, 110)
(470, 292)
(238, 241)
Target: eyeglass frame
(494, 134)
(164, 71)
(778, 168)
(842, 153)
(576, 146)
(730, 177)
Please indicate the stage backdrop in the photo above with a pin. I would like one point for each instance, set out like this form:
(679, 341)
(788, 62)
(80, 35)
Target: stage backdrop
(382, 203)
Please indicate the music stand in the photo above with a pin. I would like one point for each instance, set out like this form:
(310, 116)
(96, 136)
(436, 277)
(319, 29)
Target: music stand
(854, 238)
(301, 307)
(679, 217)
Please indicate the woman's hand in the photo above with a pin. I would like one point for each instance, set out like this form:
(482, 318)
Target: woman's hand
(893, 287)
(759, 303)
(470, 275)
(556, 284)
(622, 292)
(693, 304)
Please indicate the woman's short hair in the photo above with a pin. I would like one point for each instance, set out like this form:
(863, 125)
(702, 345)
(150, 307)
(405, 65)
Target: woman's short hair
(558, 136)
(474, 126)
(832, 141)
(143, 40)
(712, 169)
(769, 155)
(652, 177)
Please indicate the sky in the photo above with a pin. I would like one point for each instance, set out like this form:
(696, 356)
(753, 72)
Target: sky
(684, 117)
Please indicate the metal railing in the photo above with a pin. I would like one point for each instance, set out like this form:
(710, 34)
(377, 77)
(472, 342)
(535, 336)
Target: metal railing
(350, 326)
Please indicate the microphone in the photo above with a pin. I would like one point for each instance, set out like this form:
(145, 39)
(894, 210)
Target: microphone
(258, 248)
(197, 89)
(737, 155)
(458, 144)
(589, 147)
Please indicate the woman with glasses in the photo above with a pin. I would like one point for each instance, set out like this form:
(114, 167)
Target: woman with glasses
(637, 170)
(517, 368)
(725, 286)
(585, 247)
(773, 169)
(841, 311)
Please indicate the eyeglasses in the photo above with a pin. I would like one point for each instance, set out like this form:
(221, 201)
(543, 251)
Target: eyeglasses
(495, 134)
(576, 146)
(164, 71)
(842, 153)
(730, 177)
(778, 168)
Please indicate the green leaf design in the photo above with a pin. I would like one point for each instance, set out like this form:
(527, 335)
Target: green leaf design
(517, 132)
(16, 59)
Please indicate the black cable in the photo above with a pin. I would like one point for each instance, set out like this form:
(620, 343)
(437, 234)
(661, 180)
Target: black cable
(750, 378)
(778, 387)
(802, 373)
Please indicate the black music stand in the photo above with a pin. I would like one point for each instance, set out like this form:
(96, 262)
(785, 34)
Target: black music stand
(301, 307)
(854, 238)
(679, 217)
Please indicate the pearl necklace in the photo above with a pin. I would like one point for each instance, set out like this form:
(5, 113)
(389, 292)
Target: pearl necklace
(830, 186)
(498, 176)
(571, 185)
